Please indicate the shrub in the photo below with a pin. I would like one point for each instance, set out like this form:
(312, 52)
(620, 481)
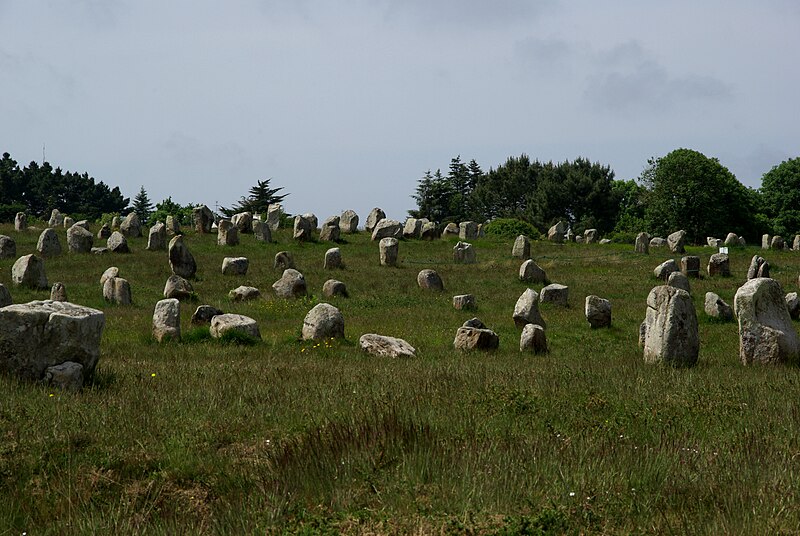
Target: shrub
(511, 228)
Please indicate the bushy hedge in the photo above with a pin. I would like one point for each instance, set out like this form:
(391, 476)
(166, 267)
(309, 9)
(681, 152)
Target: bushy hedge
(511, 228)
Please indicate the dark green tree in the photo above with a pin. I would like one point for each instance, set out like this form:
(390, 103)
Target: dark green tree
(630, 197)
(434, 197)
(168, 207)
(260, 198)
(780, 197)
(142, 205)
(505, 191)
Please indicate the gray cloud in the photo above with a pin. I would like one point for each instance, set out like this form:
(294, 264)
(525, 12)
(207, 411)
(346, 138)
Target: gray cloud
(469, 13)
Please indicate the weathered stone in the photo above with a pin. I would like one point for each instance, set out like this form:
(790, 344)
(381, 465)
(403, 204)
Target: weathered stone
(428, 231)
(348, 222)
(116, 221)
(117, 290)
(303, 229)
(530, 272)
(533, 339)
(261, 231)
(663, 270)
(464, 253)
(283, 260)
(130, 226)
(243, 221)
(28, 271)
(657, 242)
(522, 247)
(41, 334)
(742, 241)
(292, 284)
(312, 219)
(323, 321)
(110, 272)
(100, 251)
(79, 240)
(244, 293)
(793, 305)
(765, 241)
(203, 219)
(556, 232)
(5, 296)
(387, 228)
(375, 215)
(731, 239)
(678, 280)
(8, 247)
(167, 320)
(181, 260)
(383, 346)
(604, 241)
(333, 259)
(172, 225)
(68, 222)
(556, 294)
(230, 323)
(717, 308)
(274, 216)
(227, 233)
(389, 250)
(713, 242)
(766, 333)
(670, 328)
(776, 242)
(203, 315)
(68, 376)
(157, 237)
(104, 233)
(451, 229)
(526, 310)
(719, 264)
(570, 236)
(756, 268)
(642, 244)
(117, 243)
(598, 312)
(676, 241)
(428, 279)
(796, 243)
(467, 230)
(58, 292)
(333, 288)
(474, 323)
(579, 239)
(235, 265)
(690, 266)
(464, 302)
(412, 228)
(476, 339)
(330, 230)
(20, 221)
(49, 245)
(178, 288)
(56, 219)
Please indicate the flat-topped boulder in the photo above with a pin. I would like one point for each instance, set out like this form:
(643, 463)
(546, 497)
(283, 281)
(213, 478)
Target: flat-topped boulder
(233, 323)
(387, 228)
(556, 294)
(235, 265)
(475, 338)
(719, 265)
(244, 293)
(384, 346)
(464, 302)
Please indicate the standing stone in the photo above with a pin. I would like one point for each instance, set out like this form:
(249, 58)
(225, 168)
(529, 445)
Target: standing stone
(58, 292)
(167, 320)
(130, 226)
(117, 243)
(776, 242)
(104, 233)
(766, 333)
(333, 259)
(243, 222)
(235, 265)
(157, 237)
(67, 376)
(274, 216)
(642, 243)
(5, 296)
(598, 312)
(428, 231)
(110, 272)
(765, 241)
(56, 219)
(232, 323)
(333, 288)
(49, 245)
(28, 271)
(389, 248)
(678, 280)
(8, 247)
(323, 321)
(757, 269)
(481, 231)
(713, 242)
(690, 266)
(570, 236)
(533, 339)
(657, 242)
(68, 222)
(555, 294)
(530, 272)
(670, 330)
(203, 315)
(20, 221)
(579, 239)
(464, 253)
(522, 247)
(387, 228)
(244, 293)
(292, 284)
(526, 310)
(716, 307)
(42, 334)
(312, 220)
(451, 229)
(178, 288)
(173, 227)
(79, 240)
(464, 302)
(467, 230)
(262, 231)
(731, 239)
(117, 290)
(181, 261)
(348, 222)
(796, 243)
(475, 338)
(719, 264)
(556, 232)
(412, 228)
(227, 233)
(383, 346)
(330, 230)
(283, 260)
(116, 221)
(428, 279)
(303, 229)
(676, 241)
(590, 236)
(375, 215)
(793, 305)
(663, 270)
(203, 219)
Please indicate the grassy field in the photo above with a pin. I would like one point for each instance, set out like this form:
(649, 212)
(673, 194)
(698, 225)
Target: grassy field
(291, 436)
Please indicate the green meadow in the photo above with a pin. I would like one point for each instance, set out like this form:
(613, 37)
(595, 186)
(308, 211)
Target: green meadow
(285, 436)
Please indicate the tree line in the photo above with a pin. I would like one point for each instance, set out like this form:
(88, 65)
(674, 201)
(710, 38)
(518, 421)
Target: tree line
(682, 190)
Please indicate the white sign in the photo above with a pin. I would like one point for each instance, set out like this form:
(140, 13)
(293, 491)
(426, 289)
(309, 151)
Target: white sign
(723, 250)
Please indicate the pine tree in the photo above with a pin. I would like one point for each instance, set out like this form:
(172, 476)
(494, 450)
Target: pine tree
(142, 206)
(260, 198)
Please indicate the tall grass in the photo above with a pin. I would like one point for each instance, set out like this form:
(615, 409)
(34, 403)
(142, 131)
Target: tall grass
(203, 436)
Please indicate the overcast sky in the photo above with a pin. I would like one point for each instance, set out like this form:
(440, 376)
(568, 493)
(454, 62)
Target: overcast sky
(347, 104)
